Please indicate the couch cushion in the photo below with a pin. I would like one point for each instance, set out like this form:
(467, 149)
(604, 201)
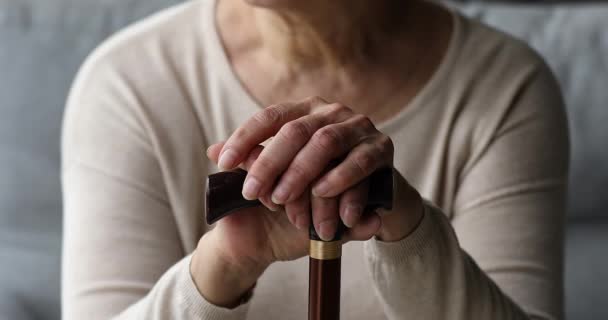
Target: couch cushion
(587, 271)
(43, 44)
(574, 41)
(11, 307)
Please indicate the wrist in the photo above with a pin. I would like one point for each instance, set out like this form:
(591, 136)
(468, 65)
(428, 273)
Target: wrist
(406, 214)
(218, 277)
(398, 228)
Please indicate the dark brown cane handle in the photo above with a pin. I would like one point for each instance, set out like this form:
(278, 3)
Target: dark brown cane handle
(224, 193)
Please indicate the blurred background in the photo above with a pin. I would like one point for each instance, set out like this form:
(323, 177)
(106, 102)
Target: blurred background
(43, 42)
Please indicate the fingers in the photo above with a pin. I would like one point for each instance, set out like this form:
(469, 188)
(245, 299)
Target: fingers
(256, 130)
(308, 135)
(278, 156)
(327, 143)
(213, 154)
(362, 227)
(367, 227)
(263, 125)
(361, 161)
(298, 211)
(352, 203)
(265, 200)
(324, 216)
(247, 165)
(325, 212)
(214, 150)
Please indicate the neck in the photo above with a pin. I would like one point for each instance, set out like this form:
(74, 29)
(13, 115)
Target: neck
(363, 54)
(334, 34)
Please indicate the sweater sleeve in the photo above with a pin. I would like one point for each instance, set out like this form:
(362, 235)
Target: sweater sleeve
(501, 255)
(122, 253)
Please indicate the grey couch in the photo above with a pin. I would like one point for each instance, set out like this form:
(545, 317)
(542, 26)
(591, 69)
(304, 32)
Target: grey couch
(42, 43)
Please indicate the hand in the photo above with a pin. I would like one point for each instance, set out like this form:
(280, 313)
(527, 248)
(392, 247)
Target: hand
(230, 258)
(308, 135)
(253, 238)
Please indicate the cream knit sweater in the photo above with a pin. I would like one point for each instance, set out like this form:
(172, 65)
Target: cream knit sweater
(485, 142)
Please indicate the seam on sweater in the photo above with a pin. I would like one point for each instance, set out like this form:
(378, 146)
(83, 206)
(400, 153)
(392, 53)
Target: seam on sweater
(113, 286)
(497, 130)
(520, 188)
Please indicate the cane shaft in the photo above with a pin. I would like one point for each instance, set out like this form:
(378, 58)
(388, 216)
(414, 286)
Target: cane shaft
(224, 197)
(324, 289)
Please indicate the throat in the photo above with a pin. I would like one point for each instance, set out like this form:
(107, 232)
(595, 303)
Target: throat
(328, 33)
(279, 56)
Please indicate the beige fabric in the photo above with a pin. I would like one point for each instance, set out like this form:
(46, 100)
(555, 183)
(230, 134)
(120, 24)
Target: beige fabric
(485, 141)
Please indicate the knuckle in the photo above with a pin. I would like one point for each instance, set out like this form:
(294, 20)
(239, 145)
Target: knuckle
(385, 144)
(295, 130)
(364, 122)
(261, 165)
(298, 171)
(332, 113)
(238, 135)
(337, 111)
(271, 114)
(364, 162)
(315, 100)
(327, 138)
(339, 108)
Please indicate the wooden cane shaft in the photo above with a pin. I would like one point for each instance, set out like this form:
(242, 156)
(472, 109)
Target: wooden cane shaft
(223, 196)
(324, 289)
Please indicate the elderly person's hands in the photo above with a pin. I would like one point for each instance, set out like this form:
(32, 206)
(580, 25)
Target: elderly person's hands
(308, 135)
(291, 170)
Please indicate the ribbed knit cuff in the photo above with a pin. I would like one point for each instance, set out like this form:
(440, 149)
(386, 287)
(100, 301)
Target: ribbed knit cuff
(399, 251)
(197, 305)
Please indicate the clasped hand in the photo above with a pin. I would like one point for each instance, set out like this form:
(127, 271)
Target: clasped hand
(290, 173)
(290, 169)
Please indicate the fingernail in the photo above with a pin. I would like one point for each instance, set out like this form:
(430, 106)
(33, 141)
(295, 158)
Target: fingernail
(273, 207)
(269, 204)
(251, 188)
(321, 189)
(327, 230)
(227, 159)
(280, 194)
(352, 214)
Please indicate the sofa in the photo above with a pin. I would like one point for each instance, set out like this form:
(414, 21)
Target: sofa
(42, 43)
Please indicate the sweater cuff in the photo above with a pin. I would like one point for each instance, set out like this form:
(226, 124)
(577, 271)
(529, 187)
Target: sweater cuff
(198, 306)
(412, 245)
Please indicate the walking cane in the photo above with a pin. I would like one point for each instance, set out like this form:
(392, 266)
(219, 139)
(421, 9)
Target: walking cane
(224, 196)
